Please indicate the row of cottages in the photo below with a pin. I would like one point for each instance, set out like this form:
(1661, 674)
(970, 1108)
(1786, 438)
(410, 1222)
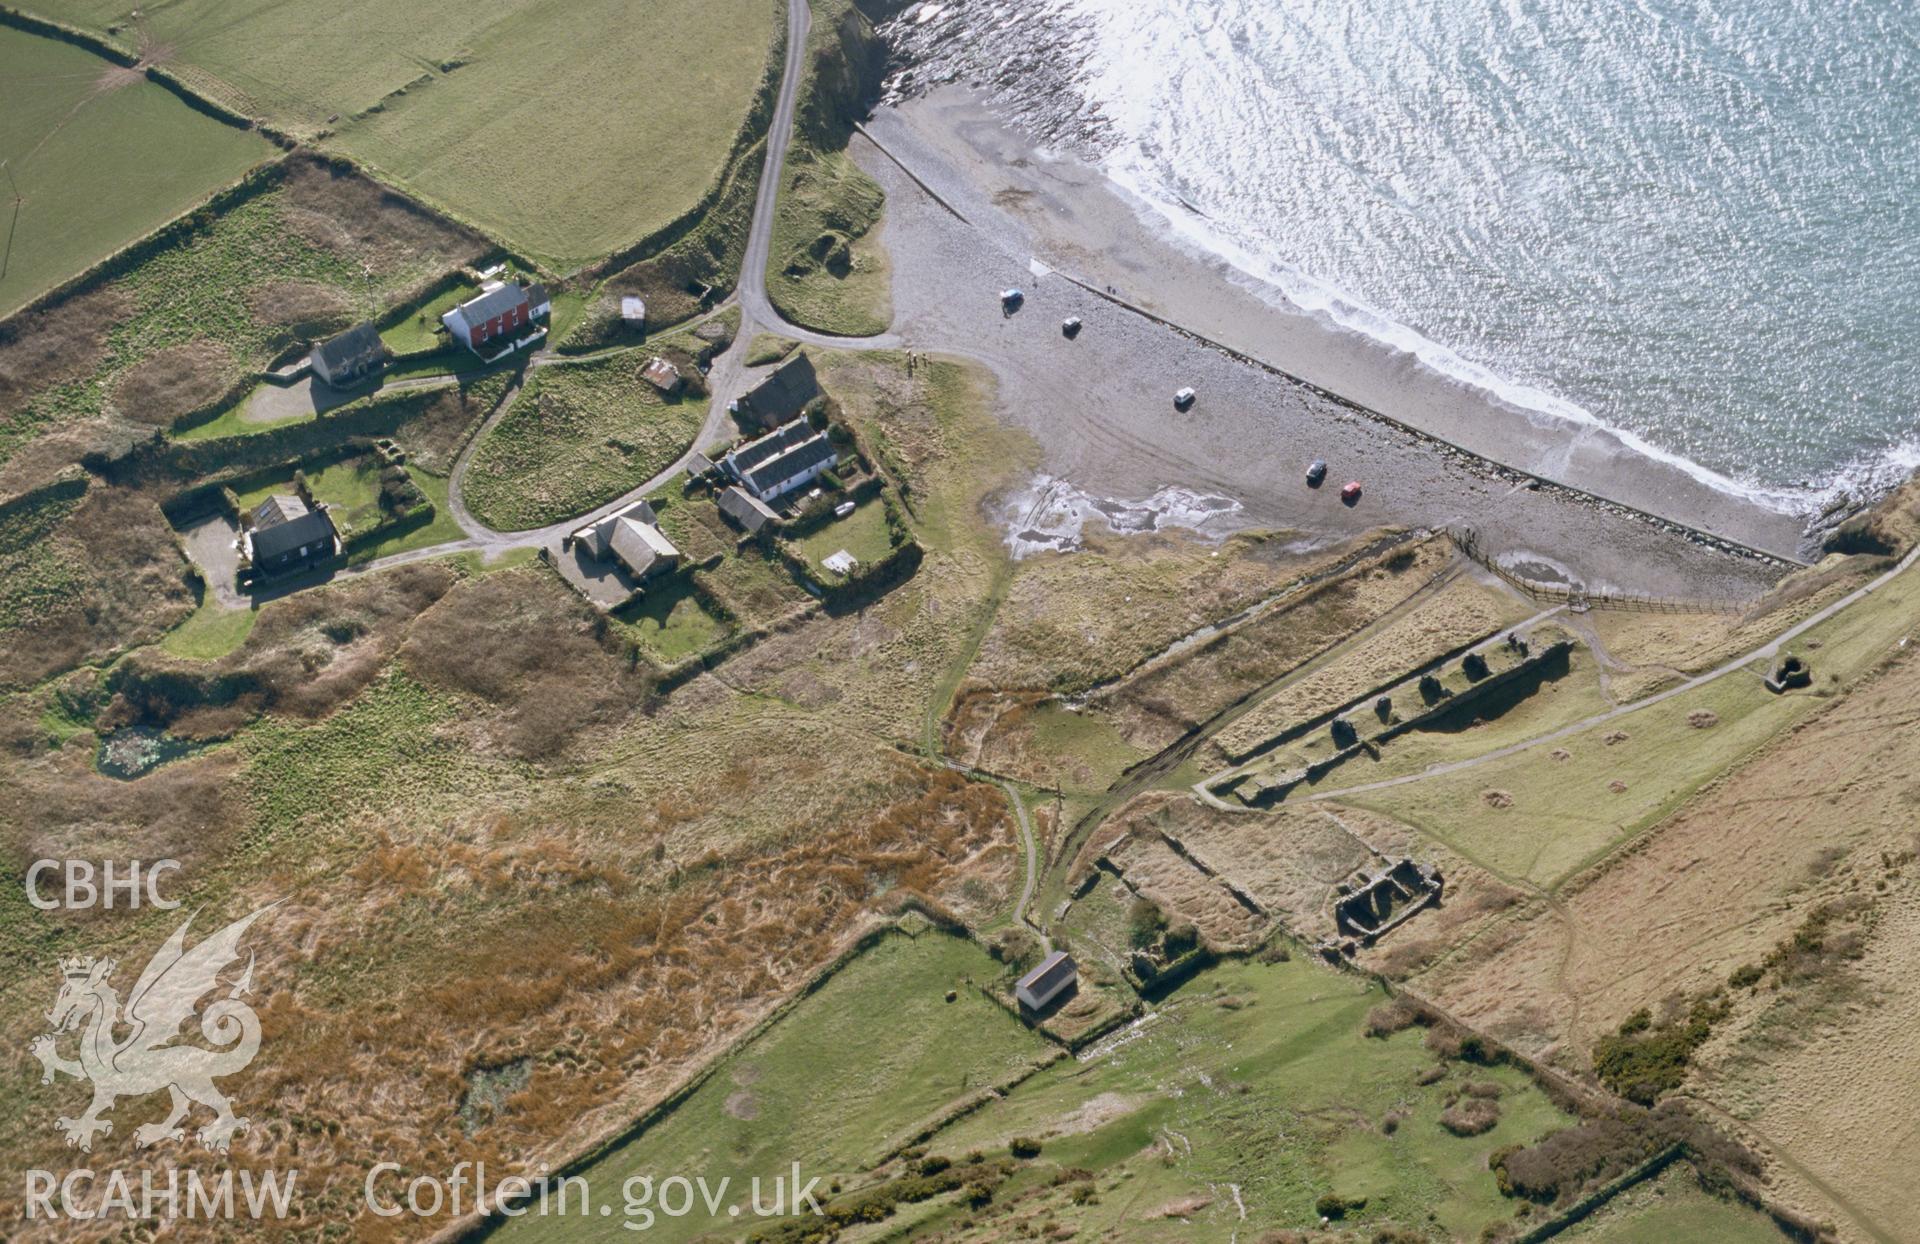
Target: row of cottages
(288, 535)
(500, 319)
(787, 458)
(632, 537)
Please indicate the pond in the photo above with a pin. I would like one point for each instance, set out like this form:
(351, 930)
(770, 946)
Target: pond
(134, 751)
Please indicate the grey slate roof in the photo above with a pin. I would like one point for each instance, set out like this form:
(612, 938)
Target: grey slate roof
(356, 349)
(277, 509)
(1055, 972)
(275, 541)
(785, 391)
(782, 467)
(783, 438)
(746, 509)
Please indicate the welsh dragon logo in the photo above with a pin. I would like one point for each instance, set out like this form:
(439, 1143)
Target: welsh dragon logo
(148, 1058)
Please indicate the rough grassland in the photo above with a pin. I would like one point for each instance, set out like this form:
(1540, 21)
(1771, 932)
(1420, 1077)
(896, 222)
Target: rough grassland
(101, 157)
(577, 127)
(854, 1066)
(827, 269)
(1824, 811)
(577, 435)
(565, 127)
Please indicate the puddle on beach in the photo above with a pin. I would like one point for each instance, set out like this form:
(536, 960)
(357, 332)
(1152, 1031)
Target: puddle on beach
(1048, 515)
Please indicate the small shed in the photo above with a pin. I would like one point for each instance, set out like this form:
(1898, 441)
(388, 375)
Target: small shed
(662, 375)
(1056, 974)
(633, 311)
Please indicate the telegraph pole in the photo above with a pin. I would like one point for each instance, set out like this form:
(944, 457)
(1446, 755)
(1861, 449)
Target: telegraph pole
(6, 257)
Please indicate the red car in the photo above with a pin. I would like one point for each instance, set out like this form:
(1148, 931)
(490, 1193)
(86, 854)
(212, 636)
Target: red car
(1350, 493)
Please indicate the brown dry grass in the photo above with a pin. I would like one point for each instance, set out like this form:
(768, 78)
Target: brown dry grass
(42, 349)
(1458, 614)
(1072, 621)
(1287, 860)
(575, 681)
(160, 389)
(128, 586)
(350, 215)
(1181, 890)
(1827, 810)
(1162, 702)
(308, 654)
(308, 309)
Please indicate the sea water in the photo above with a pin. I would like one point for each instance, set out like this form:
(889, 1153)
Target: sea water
(1696, 222)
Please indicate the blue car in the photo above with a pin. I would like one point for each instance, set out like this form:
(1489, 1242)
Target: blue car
(1316, 474)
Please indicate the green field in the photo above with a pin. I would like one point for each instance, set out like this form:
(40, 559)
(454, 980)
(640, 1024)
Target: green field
(1258, 1077)
(831, 1086)
(567, 128)
(671, 624)
(577, 435)
(101, 157)
(862, 533)
(573, 129)
(1562, 805)
(212, 632)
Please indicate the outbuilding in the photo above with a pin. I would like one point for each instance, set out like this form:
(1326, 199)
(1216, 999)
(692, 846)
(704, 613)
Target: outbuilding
(1038, 989)
(745, 509)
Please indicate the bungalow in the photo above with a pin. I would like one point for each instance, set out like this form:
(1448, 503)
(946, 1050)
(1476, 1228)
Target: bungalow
(782, 395)
(491, 323)
(745, 509)
(786, 458)
(1037, 989)
(349, 358)
(287, 535)
(633, 538)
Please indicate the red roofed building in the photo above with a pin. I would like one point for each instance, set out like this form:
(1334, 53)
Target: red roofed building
(493, 320)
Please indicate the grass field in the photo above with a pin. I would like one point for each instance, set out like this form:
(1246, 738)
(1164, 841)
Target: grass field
(670, 622)
(577, 435)
(830, 1085)
(1544, 813)
(572, 129)
(1257, 1078)
(862, 533)
(101, 157)
(1673, 1207)
(566, 128)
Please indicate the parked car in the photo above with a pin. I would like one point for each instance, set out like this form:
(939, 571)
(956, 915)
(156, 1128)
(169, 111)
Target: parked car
(1183, 399)
(1010, 300)
(1070, 327)
(1317, 473)
(1351, 492)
